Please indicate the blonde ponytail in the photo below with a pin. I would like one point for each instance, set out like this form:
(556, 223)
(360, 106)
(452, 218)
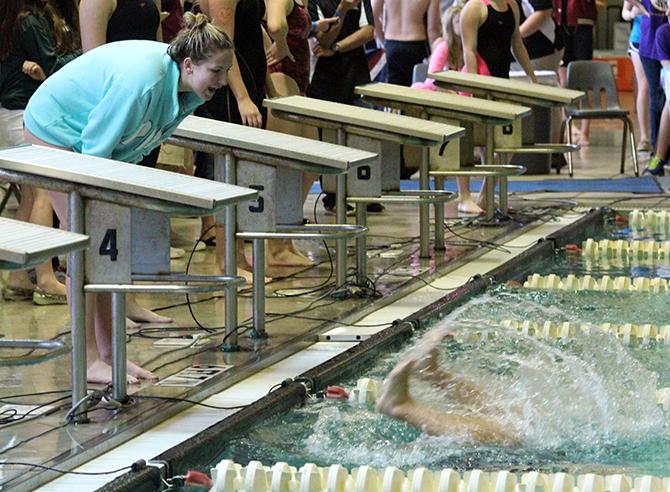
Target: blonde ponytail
(198, 39)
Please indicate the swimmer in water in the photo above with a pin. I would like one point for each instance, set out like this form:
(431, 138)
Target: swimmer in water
(395, 400)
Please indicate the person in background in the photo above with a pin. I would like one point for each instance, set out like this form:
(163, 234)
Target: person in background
(448, 55)
(173, 21)
(36, 40)
(107, 21)
(408, 30)
(490, 29)
(396, 402)
(577, 18)
(340, 56)
(649, 24)
(634, 14)
(97, 104)
(657, 163)
(240, 102)
(541, 35)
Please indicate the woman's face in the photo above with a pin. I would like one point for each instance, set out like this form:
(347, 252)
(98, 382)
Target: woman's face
(206, 77)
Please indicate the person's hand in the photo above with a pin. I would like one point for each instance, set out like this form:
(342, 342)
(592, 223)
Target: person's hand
(33, 70)
(277, 53)
(249, 113)
(319, 51)
(325, 25)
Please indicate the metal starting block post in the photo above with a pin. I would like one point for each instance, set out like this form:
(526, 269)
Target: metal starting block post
(272, 163)
(495, 118)
(102, 194)
(516, 91)
(24, 245)
(501, 172)
(370, 129)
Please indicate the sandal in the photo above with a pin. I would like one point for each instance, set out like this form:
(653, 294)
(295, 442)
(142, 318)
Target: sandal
(643, 146)
(16, 293)
(210, 241)
(42, 298)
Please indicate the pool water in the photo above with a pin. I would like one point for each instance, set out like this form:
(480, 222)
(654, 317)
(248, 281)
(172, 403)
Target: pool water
(585, 405)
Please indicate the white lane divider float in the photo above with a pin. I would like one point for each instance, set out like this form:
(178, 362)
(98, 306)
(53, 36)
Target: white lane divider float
(255, 477)
(627, 333)
(639, 249)
(655, 221)
(654, 285)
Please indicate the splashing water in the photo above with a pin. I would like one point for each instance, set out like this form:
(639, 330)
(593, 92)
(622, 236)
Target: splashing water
(585, 405)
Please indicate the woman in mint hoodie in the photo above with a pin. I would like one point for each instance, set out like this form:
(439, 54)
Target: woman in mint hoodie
(120, 101)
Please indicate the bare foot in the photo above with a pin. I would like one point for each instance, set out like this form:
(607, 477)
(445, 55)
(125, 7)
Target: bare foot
(53, 287)
(143, 315)
(99, 372)
(245, 270)
(396, 391)
(468, 206)
(284, 253)
(481, 202)
(136, 371)
(132, 325)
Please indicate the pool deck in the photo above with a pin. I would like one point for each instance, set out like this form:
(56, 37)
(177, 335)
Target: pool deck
(151, 426)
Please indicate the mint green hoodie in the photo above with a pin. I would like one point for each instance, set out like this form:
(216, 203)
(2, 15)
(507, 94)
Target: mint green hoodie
(117, 101)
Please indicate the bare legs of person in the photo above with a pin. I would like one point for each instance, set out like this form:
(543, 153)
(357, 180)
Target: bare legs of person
(98, 310)
(244, 267)
(99, 344)
(482, 199)
(35, 207)
(395, 401)
(465, 202)
(658, 161)
(641, 102)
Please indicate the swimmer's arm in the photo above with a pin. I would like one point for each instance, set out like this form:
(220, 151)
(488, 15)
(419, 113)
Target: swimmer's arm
(470, 21)
(222, 13)
(439, 423)
(518, 48)
(277, 10)
(434, 27)
(457, 388)
(534, 21)
(326, 39)
(378, 15)
(93, 18)
(159, 31)
(356, 39)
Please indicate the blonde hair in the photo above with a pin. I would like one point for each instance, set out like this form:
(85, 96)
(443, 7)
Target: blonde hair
(454, 43)
(198, 39)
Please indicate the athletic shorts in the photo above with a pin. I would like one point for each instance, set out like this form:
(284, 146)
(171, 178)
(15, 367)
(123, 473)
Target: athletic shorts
(401, 56)
(578, 44)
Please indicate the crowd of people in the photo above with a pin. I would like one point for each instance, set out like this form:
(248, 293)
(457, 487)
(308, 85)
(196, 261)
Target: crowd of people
(69, 78)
